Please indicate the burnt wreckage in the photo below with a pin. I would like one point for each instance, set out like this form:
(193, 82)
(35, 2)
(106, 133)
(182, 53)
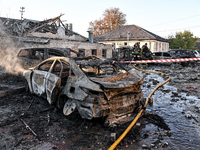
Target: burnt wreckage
(30, 57)
(86, 85)
(27, 26)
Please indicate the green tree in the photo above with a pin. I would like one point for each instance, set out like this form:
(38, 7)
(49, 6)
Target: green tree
(184, 40)
(112, 19)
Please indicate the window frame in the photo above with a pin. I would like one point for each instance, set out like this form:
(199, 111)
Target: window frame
(94, 52)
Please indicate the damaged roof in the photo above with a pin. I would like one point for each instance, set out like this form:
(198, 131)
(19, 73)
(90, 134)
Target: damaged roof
(23, 27)
(136, 33)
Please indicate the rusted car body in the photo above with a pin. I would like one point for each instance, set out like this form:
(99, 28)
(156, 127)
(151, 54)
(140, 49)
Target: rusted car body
(30, 57)
(63, 81)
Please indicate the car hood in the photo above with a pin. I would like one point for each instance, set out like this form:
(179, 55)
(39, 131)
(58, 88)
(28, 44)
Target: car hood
(123, 80)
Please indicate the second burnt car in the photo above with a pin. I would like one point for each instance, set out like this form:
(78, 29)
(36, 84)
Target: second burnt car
(183, 53)
(30, 57)
(64, 82)
(162, 55)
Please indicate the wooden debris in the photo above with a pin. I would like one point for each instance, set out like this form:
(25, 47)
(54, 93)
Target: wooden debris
(17, 143)
(30, 103)
(27, 126)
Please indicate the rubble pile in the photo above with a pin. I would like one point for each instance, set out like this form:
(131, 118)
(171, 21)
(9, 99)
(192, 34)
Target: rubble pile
(25, 27)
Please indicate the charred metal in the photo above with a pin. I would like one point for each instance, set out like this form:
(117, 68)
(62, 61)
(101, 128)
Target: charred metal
(82, 84)
(26, 26)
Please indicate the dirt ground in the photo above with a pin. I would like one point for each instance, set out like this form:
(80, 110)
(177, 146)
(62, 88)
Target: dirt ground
(55, 131)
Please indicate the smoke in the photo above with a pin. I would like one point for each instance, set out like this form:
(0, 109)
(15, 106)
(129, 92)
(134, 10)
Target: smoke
(8, 50)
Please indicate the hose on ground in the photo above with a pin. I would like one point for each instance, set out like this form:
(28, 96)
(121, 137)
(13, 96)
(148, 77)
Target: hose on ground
(114, 145)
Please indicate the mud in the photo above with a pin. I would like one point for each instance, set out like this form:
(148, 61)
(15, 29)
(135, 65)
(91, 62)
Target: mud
(172, 122)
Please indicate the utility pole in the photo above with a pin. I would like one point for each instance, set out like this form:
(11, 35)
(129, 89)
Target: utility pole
(22, 10)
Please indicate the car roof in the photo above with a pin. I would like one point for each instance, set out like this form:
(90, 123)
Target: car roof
(64, 51)
(67, 59)
(50, 48)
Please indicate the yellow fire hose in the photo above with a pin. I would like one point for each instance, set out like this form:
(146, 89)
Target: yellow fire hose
(114, 145)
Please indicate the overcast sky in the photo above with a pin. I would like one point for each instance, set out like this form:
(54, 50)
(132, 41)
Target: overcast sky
(161, 17)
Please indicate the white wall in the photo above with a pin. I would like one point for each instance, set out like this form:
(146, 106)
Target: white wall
(74, 45)
(154, 46)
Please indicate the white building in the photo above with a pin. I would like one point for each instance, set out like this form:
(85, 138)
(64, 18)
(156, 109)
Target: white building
(128, 35)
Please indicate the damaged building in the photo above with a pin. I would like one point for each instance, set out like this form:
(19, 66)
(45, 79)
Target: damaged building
(51, 33)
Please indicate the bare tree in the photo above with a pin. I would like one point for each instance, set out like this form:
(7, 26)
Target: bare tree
(112, 19)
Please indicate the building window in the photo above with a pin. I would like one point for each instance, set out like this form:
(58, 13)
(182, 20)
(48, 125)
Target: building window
(167, 46)
(163, 46)
(156, 46)
(125, 43)
(113, 46)
(82, 52)
(94, 52)
(159, 47)
(104, 52)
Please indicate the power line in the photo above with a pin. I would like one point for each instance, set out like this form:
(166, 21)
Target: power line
(174, 20)
(178, 29)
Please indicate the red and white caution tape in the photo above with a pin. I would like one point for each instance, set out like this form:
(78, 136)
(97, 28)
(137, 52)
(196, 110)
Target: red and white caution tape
(159, 60)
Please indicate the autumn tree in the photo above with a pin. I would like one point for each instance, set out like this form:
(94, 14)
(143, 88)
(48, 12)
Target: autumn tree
(112, 18)
(184, 40)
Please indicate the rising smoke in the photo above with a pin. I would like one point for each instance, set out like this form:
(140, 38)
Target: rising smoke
(8, 50)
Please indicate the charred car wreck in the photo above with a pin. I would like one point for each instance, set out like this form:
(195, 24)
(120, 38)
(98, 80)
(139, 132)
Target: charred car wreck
(30, 57)
(72, 85)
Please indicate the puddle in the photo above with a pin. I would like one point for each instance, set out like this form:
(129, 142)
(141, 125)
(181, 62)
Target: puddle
(185, 131)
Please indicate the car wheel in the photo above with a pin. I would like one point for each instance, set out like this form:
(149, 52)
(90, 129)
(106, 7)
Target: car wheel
(70, 107)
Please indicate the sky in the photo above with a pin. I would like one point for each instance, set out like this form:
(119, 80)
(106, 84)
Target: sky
(163, 18)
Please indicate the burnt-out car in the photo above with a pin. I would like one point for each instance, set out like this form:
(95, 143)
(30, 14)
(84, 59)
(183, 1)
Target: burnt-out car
(162, 55)
(183, 53)
(64, 82)
(124, 53)
(30, 57)
(93, 65)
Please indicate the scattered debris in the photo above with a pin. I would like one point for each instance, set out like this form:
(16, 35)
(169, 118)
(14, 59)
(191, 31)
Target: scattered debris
(113, 137)
(18, 142)
(73, 132)
(27, 126)
(48, 119)
(164, 145)
(191, 88)
(26, 26)
(195, 118)
(30, 103)
(157, 120)
(50, 108)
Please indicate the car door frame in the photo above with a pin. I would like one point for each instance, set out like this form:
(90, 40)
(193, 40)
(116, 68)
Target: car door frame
(53, 83)
(38, 80)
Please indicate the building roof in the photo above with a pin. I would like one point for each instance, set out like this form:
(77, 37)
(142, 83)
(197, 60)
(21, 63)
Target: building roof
(136, 33)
